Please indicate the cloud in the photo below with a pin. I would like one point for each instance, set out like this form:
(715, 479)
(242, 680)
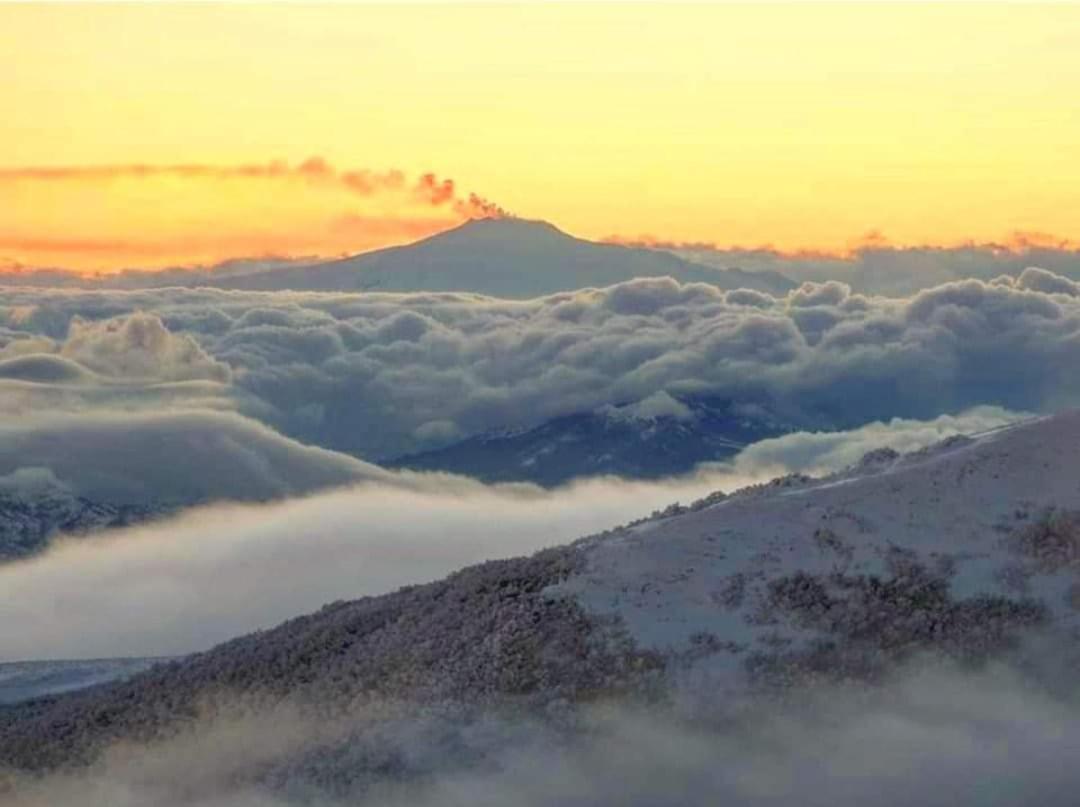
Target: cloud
(657, 405)
(215, 572)
(380, 375)
(173, 457)
(26, 393)
(43, 368)
(126, 364)
(821, 452)
(139, 346)
(1040, 280)
(315, 170)
(332, 237)
(931, 734)
(892, 270)
(204, 213)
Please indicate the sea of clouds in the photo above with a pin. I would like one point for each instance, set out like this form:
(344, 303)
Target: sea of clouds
(898, 271)
(271, 406)
(380, 375)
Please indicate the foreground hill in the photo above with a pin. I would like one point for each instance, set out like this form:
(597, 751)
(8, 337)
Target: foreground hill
(650, 439)
(961, 549)
(512, 258)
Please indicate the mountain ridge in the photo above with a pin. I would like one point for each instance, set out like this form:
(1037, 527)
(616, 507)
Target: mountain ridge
(30, 520)
(506, 257)
(656, 437)
(960, 549)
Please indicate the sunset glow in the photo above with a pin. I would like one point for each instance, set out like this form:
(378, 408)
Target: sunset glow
(140, 135)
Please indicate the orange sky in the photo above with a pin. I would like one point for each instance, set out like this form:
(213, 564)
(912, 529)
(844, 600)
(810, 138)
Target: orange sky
(186, 132)
(101, 217)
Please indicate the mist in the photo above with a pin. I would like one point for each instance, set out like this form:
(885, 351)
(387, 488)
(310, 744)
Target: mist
(934, 734)
(183, 584)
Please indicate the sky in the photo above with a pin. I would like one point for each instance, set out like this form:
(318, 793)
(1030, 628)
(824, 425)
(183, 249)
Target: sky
(188, 134)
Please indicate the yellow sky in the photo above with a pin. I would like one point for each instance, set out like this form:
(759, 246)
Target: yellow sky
(801, 126)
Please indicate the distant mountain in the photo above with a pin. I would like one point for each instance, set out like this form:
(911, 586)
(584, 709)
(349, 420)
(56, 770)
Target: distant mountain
(26, 680)
(509, 257)
(956, 550)
(30, 519)
(78, 476)
(653, 438)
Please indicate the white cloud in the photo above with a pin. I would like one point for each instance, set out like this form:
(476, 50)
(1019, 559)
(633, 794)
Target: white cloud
(215, 572)
(173, 457)
(931, 735)
(818, 453)
(659, 404)
(380, 375)
(139, 346)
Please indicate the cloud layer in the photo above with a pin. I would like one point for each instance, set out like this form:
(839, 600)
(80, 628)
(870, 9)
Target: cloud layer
(880, 269)
(379, 375)
(931, 735)
(173, 457)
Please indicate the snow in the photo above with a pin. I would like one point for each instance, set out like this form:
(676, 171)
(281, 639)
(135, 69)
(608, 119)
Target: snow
(658, 405)
(952, 507)
(35, 506)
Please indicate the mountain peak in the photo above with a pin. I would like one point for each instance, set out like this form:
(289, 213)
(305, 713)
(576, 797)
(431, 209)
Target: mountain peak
(505, 257)
(502, 228)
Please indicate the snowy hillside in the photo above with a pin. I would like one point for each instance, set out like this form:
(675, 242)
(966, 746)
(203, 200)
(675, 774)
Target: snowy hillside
(953, 545)
(963, 548)
(652, 438)
(512, 258)
(30, 518)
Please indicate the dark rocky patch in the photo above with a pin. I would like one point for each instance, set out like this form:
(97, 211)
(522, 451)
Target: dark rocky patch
(866, 624)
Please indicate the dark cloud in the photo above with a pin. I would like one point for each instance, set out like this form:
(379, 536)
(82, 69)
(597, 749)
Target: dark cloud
(173, 457)
(379, 375)
(931, 734)
(43, 368)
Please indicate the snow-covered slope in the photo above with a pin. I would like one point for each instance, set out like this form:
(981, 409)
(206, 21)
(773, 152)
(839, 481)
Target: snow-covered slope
(29, 519)
(510, 257)
(956, 543)
(962, 549)
(652, 438)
